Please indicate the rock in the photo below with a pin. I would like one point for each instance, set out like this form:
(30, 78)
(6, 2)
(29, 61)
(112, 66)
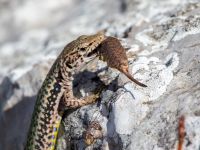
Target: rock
(162, 42)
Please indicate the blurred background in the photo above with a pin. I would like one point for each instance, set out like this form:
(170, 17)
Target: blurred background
(29, 27)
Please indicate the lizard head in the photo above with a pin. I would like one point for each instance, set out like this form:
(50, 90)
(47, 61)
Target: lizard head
(87, 45)
(81, 50)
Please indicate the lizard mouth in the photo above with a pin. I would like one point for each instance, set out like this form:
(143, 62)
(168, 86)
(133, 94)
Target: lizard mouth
(92, 53)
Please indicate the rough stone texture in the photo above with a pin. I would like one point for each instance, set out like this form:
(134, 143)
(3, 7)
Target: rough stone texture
(163, 46)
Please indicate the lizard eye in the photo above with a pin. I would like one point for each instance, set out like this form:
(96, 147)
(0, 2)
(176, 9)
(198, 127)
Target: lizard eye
(82, 49)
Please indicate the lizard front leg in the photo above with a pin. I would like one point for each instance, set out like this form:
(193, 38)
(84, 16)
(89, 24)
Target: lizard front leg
(75, 102)
(70, 101)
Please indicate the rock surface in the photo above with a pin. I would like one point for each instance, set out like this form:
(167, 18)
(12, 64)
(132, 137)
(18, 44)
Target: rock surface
(163, 46)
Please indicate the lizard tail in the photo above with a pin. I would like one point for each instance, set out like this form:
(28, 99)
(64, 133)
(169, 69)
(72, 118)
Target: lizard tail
(126, 72)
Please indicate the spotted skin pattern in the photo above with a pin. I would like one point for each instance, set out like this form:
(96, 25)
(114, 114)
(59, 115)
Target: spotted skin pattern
(56, 89)
(114, 54)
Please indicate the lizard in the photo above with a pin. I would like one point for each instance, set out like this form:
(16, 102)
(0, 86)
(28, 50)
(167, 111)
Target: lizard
(56, 92)
(111, 51)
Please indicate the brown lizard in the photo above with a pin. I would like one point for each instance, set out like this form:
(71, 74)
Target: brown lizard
(56, 89)
(114, 54)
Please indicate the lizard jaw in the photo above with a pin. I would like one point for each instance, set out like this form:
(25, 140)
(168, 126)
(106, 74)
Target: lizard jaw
(92, 53)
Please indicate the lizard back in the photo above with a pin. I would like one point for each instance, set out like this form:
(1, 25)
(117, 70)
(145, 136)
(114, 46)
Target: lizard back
(46, 116)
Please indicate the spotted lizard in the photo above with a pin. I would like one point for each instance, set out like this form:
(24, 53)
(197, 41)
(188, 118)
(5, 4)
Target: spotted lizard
(57, 89)
(56, 92)
(112, 52)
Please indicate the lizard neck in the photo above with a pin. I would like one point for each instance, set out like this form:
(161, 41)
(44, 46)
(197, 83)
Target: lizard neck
(69, 64)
